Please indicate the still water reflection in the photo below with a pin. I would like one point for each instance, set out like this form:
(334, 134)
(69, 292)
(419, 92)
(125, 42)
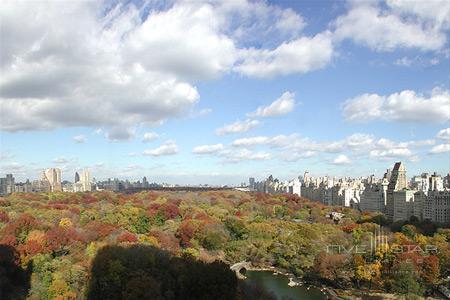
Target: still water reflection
(278, 284)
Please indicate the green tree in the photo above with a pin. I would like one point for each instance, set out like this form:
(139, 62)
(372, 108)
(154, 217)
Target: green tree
(410, 231)
(406, 280)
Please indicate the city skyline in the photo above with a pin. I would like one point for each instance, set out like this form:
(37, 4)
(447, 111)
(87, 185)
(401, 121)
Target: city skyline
(84, 175)
(231, 90)
(425, 196)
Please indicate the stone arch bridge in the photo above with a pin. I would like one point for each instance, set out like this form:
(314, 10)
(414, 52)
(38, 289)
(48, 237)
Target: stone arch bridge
(237, 268)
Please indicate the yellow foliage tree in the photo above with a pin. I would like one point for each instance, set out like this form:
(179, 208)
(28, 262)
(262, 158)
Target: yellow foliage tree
(150, 240)
(65, 222)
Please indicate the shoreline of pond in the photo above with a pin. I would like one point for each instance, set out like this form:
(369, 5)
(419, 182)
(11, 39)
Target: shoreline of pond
(328, 291)
(295, 281)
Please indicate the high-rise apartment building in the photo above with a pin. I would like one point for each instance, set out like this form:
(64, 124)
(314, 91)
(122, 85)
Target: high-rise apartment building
(145, 183)
(7, 185)
(436, 207)
(397, 183)
(398, 180)
(251, 183)
(421, 183)
(403, 205)
(84, 184)
(25, 187)
(436, 183)
(53, 177)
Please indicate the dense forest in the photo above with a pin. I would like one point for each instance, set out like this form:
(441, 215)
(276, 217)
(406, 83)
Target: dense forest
(179, 245)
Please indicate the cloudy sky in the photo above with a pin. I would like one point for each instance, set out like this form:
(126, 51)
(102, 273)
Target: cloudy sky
(217, 91)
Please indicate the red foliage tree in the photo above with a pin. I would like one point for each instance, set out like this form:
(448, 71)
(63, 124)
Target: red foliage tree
(186, 232)
(9, 240)
(88, 198)
(151, 196)
(430, 269)
(4, 217)
(98, 230)
(331, 266)
(127, 237)
(31, 248)
(349, 228)
(169, 210)
(73, 199)
(21, 226)
(292, 198)
(58, 206)
(153, 209)
(57, 238)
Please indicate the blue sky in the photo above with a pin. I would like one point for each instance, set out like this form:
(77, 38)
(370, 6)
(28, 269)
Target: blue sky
(224, 90)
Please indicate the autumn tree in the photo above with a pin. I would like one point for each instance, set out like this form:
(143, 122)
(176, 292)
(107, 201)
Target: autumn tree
(405, 279)
(430, 270)
(333, 267)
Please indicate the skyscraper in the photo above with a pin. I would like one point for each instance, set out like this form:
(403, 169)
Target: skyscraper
(251, 183)
(145, 183)
(77, 177)
(397, 182)
(436, 183)
(7, 184)
(84, 183)
(53, 176)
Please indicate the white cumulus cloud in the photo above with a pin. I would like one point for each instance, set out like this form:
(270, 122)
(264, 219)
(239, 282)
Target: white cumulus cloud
(87, 64)
(405, 106)
(275, 141)
(302, 55)
(234, 156)
(149, 137)
(435, 13)
(93, 78)
(444, 134)
(168, 148)
(341, 160)
(386, 29)
(442, 148)
(281, 106)
(208, 149)
(238, 127)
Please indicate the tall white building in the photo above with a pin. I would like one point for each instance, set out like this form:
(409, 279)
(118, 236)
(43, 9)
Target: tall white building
(53, 177)
(397, 183)
(85, 182)
(294, 187)
(436, 183)
(421, 183)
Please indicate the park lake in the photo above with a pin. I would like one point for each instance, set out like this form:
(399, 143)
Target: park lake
(278, 285)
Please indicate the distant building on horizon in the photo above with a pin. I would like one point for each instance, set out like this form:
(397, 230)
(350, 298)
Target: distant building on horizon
(84, 183)
(7, 185)
(251, 183)
(53, 177)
